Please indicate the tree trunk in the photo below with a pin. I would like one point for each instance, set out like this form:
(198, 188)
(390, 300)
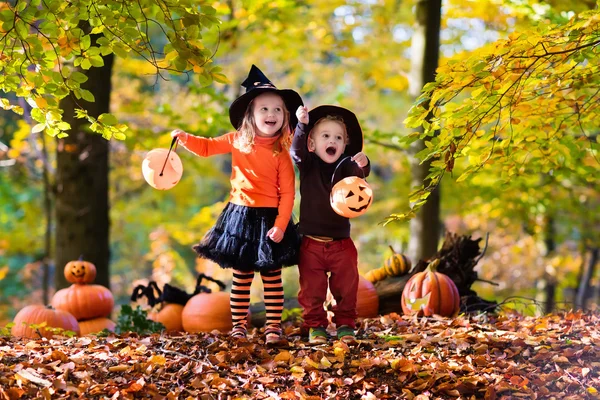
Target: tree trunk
(48, 213)
(546, 285)
(584, 284)
(596, 294)
(82, 210)
(425, 227)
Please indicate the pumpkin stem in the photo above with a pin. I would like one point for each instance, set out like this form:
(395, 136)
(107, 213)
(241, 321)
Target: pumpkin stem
(432, 266)
(80, 257)
(392, 249)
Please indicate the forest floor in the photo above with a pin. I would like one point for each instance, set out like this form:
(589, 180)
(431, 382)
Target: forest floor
(487, 356)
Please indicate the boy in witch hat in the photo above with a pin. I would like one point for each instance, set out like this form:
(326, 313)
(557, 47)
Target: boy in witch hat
(322, 137)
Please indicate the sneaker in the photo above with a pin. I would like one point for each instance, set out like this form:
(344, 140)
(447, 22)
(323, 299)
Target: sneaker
(346, 334)
(317, 335)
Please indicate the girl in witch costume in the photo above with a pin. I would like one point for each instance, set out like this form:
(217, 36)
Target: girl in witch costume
(255, 232)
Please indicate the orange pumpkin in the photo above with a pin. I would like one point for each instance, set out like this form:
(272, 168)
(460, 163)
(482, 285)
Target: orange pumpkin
(207, 311)
(96, 325)
(367, 302)
(376, 275)
(37, 314)
(155, 175)
(84, 301)
(170, 315)
(80, 272)
(351, 197)
(430, 292)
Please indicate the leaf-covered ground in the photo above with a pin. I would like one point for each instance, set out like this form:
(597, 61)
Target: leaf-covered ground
(491, 357)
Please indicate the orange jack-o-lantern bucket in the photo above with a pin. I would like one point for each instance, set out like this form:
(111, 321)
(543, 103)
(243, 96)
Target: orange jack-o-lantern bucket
(350, 197)
(162, 168)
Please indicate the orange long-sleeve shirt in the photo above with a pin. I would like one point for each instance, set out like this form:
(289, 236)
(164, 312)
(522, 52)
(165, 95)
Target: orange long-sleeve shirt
(258, 179)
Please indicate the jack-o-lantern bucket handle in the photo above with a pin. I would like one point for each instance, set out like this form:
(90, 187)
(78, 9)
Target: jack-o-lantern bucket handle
(204, 289)
(338, 165)
(173, 143)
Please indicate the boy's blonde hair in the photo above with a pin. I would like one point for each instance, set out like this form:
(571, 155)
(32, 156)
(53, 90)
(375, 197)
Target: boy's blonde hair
(333, 118)
(244, 140)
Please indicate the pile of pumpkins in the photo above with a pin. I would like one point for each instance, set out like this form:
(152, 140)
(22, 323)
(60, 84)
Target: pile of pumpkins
(203, 311)
(82, 308)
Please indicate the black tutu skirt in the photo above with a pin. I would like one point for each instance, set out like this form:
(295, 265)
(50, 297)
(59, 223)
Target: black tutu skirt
(239, 240)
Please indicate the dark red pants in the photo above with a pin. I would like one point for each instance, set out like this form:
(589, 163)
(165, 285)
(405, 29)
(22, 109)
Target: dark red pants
(340, 258)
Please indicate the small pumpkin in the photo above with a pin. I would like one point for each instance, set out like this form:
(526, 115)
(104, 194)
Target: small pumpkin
(170, 315)
(80, 271)
(351, 197)
(37, 314)
(376, 275)
(367, 301)
(207, 311)
(430, 292)
(162, 168)
(84, 301)
(96, 325)
(395, 265)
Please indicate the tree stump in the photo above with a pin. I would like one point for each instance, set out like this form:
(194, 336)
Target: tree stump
(458, 257)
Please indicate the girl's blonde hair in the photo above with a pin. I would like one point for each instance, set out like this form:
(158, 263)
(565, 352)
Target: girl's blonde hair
(244, 140)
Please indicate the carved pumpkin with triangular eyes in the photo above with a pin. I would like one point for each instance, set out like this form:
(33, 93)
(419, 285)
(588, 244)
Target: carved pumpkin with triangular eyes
(351, 197)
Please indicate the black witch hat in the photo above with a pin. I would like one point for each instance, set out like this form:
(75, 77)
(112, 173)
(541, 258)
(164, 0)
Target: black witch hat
(353, 128)
(257, 83)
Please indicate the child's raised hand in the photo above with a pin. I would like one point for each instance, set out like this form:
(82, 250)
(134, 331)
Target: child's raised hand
(302, 114)
(361, 159)
(182, 136)
(275, 234)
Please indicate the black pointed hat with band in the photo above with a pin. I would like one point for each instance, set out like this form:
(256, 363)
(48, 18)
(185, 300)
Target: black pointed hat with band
(355, 134)
(257, 83)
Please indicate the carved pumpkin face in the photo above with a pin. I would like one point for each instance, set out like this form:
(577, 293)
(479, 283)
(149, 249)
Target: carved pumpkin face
(430, 292)
(80, 272)
(351, 197)
(153, 165)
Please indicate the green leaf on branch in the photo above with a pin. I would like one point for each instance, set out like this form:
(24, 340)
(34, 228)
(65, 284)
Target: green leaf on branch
(107, 119)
